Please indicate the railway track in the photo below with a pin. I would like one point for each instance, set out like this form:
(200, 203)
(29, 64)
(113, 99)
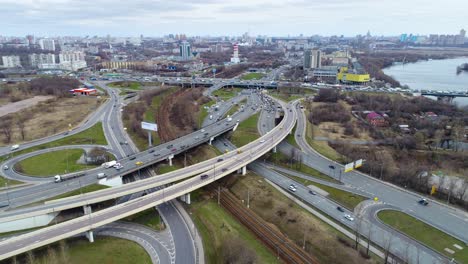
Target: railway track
(285, 248)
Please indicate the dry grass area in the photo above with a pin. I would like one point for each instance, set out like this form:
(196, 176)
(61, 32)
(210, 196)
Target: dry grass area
(336, 131)
(295, 222)
(23, 104)
(51, 116)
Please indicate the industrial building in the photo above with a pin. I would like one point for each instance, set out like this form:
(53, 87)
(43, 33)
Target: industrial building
(355, 76)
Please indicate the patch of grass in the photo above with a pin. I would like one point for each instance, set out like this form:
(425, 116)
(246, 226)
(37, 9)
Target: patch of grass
(103, 250)
(126, 85)
(149, 218)
(227, 93)
(165, 168)
(7, 182)
(52, 163)
(290, 138)
(282, 160)
(347, 199)
(92, 135)
(424, 233)
(216, 226)
(252, 76)
(85, 189)
(285, 97)
(321, 147)
(246, 132)
(203, 113)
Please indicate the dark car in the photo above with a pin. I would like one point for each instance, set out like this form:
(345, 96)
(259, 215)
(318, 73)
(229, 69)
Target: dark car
(151, 151)
(223, 169)
(331, 167)
(174, 150)
(423, 202)
(170, 146)
(204, 176)
(156, 154)
(312, 192)
(219, 160)
(339, 208)
(132, 158)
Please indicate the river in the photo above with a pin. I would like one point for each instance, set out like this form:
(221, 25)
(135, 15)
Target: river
(439, 75)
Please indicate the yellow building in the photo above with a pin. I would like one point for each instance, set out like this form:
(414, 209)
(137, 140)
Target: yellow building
(345, 77)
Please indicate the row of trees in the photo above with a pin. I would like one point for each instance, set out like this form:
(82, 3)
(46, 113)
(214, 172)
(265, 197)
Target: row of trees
(333, 112)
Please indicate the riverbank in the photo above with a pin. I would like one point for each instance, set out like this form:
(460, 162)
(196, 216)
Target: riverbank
(375, 63)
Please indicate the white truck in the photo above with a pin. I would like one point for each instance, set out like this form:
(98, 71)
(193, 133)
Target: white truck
(101, 175)
(60, 178)
(109, 164)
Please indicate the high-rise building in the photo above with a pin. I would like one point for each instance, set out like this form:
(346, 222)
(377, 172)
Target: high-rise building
(312, 59)
(235, 54)
(47, 44)
(217, 48)
(72, 60)
(44, 58)
(307, 59)
(185, 51)
(11, 61)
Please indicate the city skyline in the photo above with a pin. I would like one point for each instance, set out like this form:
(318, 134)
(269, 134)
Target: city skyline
(219, 18)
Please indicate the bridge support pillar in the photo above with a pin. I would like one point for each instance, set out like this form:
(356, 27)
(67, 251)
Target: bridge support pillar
(244, 170)
(170, 161)
(187, 198)
(211, 140)
(274, 149)
(89, 234)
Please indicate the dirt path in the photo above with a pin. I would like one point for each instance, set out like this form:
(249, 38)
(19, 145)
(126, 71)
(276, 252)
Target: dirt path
(20, 105)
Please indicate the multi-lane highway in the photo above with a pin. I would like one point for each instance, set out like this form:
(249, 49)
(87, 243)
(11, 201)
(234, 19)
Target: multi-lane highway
(51, 234)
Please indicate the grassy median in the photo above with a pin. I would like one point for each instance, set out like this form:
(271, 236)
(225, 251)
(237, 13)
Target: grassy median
(246, 132)
(425, 233)
(252, 76)
(52, 163)
(149, 218)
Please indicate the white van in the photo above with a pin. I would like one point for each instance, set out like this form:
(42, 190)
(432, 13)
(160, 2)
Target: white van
(14, 147)
(101, 175)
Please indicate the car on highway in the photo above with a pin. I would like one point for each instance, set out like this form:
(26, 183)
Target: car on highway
(203, 130)
(223, 169)
(339, 208)
(204, 176)
(331, 167)
(174, 150)
(5, 167)
(151, 151)
(292, 188)
(138, 163)
(262, 141)
(170, 146)
(312, 192)
(423, 201)
(348, 217)
(219, 160)
(118, 166)
(132, 158)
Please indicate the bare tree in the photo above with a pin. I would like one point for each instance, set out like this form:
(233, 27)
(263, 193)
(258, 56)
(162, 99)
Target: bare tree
(52, 257)
(462, 190)
(6, 127)
(30, 257)
(369, 237)
(20, 122)
(452, 184)
(387, 246)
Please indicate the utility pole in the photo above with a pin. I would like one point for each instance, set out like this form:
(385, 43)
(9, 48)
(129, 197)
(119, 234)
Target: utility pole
(248, 198)
(219, 193)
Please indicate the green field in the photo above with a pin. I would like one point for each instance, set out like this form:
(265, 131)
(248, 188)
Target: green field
(252, 76)
(424, 233)
(290, 138)
(216, 226)
(52, 163)
(149, 218)
(7, 182)
(347, 199)
(246, 132)
(227, 93)
(126, 85)
(104, 250)
(92, 135)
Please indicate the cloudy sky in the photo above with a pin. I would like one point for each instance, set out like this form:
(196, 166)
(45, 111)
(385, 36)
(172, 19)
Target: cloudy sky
(220, 17)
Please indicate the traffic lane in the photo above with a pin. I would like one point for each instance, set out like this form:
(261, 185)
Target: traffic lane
(103, 216)
(380, 233)
(440, 216)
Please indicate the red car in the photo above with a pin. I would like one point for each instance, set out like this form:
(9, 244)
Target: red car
(174, 150)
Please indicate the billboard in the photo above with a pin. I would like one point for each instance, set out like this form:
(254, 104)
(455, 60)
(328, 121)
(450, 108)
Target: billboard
(149, 126)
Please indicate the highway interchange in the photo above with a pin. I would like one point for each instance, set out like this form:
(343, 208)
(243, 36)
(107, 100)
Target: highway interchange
(391, 196)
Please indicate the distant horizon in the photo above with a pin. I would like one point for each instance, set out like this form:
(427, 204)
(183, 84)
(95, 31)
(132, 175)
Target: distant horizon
(219, 18)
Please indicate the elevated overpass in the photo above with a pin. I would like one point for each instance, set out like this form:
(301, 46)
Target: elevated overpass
(236, 160)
